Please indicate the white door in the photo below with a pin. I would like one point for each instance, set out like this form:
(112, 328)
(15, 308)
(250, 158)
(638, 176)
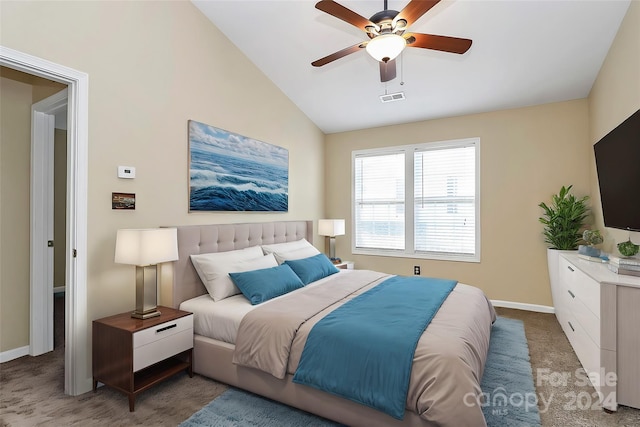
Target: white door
(42, 197)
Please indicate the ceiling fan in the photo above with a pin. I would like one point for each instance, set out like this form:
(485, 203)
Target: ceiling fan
(386, 29)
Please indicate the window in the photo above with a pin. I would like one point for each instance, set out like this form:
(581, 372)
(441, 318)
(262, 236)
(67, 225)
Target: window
(418, 201)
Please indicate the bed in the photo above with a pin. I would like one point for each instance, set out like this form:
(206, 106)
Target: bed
(444, 390)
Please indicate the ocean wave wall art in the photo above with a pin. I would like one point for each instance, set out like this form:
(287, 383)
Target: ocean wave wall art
(231, 172)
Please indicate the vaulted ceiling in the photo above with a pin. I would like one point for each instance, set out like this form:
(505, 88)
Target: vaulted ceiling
(523, 53)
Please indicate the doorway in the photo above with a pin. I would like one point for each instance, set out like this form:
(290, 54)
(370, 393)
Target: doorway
(77, 371)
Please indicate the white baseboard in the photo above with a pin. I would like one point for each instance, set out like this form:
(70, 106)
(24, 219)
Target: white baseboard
(8, 355)
(523, 306)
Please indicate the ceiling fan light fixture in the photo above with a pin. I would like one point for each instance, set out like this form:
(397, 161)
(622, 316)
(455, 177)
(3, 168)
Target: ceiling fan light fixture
(386, 47)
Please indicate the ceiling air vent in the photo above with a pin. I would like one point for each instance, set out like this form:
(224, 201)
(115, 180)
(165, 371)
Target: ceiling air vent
(398, 96)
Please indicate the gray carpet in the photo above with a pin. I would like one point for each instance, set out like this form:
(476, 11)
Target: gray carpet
(507, 385)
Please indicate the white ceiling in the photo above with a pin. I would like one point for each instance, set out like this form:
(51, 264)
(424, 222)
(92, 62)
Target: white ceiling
(523, 53)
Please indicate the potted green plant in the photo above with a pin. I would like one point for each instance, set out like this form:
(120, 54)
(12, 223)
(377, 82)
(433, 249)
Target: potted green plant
(562, 219)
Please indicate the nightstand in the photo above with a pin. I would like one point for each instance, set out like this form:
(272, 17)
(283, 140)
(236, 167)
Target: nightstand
(345, 265)
(132, 355)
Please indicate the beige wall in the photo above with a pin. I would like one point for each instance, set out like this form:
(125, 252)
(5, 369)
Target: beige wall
(526, 155)
(162, 65)
(15, 125)
(614, 97)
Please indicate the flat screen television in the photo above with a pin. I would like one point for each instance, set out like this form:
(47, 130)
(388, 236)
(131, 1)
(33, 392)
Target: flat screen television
(618, 165)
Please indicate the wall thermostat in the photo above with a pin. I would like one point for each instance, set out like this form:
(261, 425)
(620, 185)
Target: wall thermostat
(126, 172)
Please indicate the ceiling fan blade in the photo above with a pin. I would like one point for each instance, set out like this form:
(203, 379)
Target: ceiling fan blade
(347, 15)
(442, 43)
(339, 54)
(387, 70)
(414, 10)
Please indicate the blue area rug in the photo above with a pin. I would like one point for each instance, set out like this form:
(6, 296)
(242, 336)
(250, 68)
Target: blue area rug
(507, 385)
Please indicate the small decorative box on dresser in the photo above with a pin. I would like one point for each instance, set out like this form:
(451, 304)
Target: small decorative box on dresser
(598, 311)
(131, 355)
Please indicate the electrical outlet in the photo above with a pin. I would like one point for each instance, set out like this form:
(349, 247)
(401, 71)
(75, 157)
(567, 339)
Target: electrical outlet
(416, 270)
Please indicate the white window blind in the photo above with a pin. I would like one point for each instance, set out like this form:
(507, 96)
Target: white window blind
(444, 200)
(380, 201)
(418, 201)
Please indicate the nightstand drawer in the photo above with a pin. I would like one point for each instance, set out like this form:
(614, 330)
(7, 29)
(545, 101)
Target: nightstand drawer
(162, 331)
(161, 349)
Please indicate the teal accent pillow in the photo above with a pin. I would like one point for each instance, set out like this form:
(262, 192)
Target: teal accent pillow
(312, 268)
(267, 283)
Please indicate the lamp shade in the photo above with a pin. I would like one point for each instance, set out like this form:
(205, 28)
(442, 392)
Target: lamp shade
(331, 227)
(386, 47)
(146, 246)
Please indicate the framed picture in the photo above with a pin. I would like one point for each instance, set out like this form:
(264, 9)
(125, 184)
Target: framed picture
(231, 172)
(124, 201)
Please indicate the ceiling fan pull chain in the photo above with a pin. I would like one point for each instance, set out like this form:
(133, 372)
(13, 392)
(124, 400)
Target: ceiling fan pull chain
(401, 69)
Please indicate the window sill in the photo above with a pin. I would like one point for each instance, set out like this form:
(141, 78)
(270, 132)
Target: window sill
(416, 255)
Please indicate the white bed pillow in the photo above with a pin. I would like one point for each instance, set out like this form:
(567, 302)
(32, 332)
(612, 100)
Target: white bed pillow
(291, 250)
(214, 269)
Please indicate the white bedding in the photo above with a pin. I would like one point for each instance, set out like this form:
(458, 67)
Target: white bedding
(220, 320)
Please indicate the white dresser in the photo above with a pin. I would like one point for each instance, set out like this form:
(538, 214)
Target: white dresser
(599, 312)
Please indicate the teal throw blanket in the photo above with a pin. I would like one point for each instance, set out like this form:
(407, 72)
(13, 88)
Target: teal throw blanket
(363, 351)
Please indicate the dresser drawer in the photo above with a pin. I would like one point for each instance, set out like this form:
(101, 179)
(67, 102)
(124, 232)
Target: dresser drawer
(587, 320)
(581, 286)
(587, 351)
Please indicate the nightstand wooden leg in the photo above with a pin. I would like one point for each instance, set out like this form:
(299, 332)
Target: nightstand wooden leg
(132, 402)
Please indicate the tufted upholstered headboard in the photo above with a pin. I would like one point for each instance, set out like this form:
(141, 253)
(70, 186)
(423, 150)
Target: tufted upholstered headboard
(200, 239)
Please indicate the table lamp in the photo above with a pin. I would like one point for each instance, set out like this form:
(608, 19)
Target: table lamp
(331, 228)
(145, 248)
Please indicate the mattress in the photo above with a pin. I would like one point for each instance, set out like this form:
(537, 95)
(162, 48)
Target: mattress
(218, 320)
(221, 320)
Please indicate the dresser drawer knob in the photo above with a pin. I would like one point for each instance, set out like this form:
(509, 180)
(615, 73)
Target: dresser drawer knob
(571, 293)
(571, 326)
(165, 328)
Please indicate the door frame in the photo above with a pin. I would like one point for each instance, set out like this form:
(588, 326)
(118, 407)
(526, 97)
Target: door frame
(77, 372)
(42, 199)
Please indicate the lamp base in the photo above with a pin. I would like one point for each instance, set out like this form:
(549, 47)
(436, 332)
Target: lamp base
(147, 315)
(332, 247)
(146, 292)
